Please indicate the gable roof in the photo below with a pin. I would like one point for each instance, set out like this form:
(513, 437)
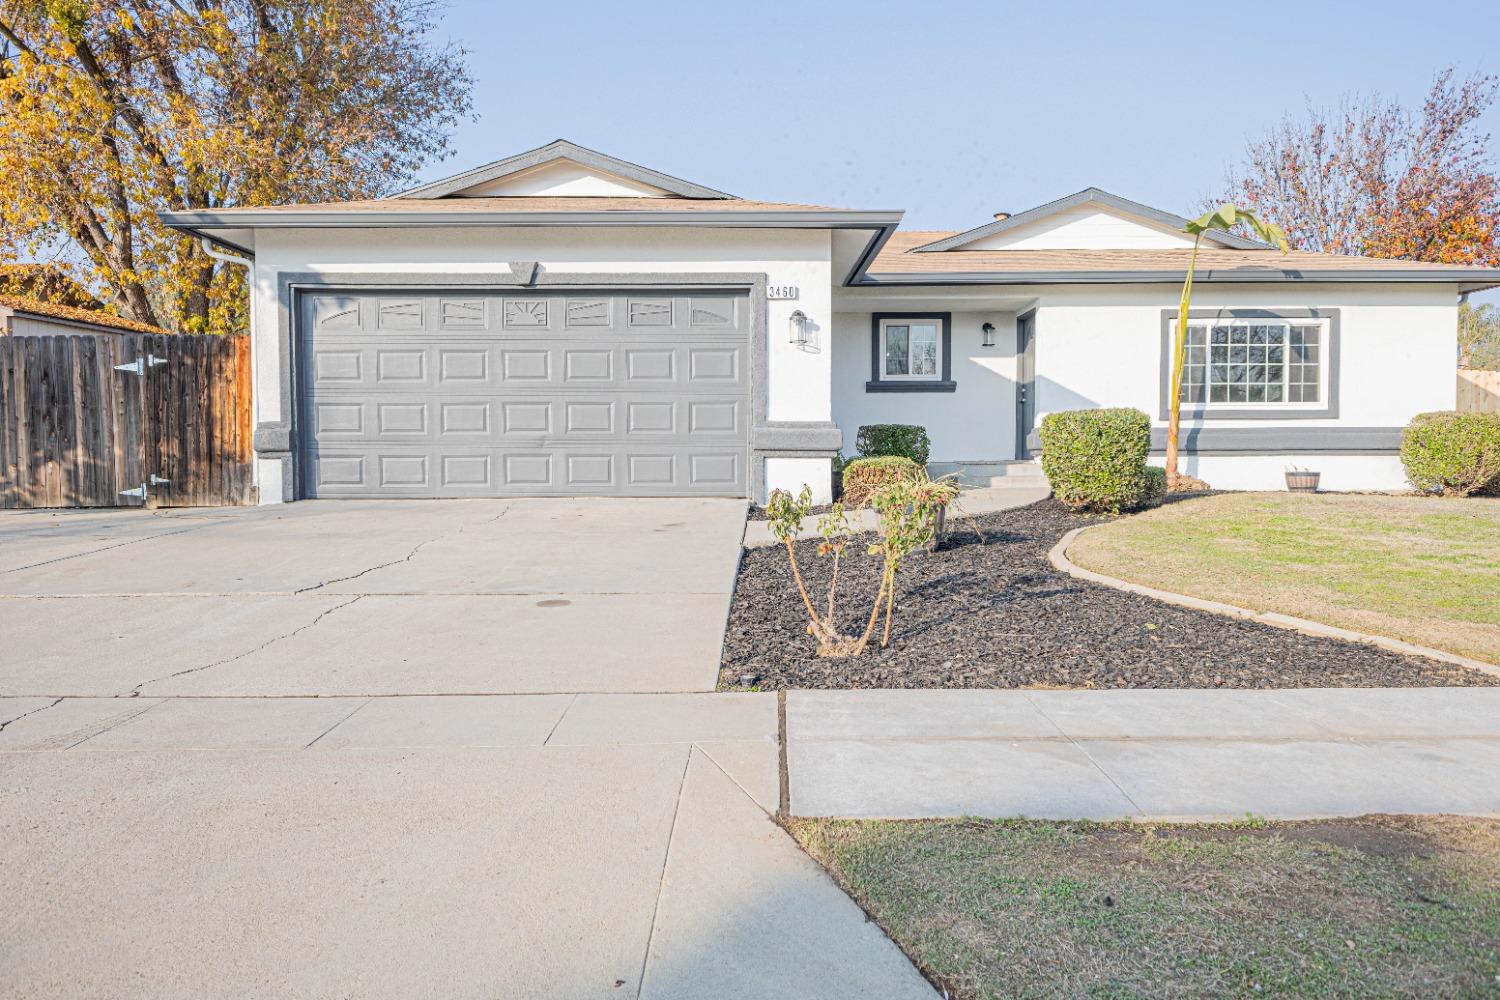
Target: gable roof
(1087, 196)
(560, 149)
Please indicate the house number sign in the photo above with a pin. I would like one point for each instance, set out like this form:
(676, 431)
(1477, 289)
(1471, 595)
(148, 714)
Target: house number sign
(782, 291)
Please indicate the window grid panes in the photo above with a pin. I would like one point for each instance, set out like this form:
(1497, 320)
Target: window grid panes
(1252, 362)
(911, 349)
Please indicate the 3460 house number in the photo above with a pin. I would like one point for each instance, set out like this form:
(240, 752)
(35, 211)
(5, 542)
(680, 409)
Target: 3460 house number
(782, 291)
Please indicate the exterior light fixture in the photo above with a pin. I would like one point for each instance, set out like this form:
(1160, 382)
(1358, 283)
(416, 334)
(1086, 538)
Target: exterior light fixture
(989, 334)
(798, 324)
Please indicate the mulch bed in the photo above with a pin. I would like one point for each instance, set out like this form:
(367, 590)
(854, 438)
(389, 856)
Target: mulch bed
(998, 615)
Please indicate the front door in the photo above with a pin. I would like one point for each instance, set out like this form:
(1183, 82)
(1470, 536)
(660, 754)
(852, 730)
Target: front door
(1025, 381)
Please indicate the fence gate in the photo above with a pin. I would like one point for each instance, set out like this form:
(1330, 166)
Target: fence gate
(115, 420)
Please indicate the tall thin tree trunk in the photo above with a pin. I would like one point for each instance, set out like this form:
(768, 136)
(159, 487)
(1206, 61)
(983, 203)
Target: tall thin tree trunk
(1179, 354)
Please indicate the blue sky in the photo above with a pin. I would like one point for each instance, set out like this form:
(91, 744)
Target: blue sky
(951, 111)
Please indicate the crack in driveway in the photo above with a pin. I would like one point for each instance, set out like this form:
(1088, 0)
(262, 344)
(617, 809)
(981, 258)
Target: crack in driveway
(23, 715)
(136, 691)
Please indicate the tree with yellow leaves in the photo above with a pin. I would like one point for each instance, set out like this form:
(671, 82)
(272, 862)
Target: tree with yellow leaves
(113, 111)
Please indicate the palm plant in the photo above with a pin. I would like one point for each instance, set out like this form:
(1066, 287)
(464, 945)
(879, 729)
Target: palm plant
(1222, 218)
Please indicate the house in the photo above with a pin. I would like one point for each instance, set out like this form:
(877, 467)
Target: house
(563, 322)
(25, 316)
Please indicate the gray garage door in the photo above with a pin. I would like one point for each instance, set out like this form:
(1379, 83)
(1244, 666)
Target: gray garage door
(524, 394)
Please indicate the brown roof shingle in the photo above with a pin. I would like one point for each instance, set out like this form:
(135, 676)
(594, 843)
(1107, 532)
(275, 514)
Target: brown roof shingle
(535, 204)
(51, 310)
(899, 256)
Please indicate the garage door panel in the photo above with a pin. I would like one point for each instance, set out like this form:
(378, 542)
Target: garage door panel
(531, 393)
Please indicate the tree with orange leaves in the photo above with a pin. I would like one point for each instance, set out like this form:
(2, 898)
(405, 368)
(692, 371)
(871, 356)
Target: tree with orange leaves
(113, 111)
(1376, 179)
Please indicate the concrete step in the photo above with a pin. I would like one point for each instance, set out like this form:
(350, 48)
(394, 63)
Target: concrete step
(1018, 473)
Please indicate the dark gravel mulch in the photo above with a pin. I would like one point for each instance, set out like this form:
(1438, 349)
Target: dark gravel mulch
(998, 615)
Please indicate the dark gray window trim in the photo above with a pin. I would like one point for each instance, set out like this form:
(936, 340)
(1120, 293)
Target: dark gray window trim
(1330, 408)
(807, 439)
(1275, 440)
(561, 149)
(944, 383)
(1086, 196)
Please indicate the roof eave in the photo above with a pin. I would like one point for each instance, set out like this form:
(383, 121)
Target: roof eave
(1222, 276)
(274, 219)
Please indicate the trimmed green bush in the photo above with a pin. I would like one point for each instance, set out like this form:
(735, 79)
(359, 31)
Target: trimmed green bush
(1455, 454)
(906, 440)
(1096, 459)
(864, 477)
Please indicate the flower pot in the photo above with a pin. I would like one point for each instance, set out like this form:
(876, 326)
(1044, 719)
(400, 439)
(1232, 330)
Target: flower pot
(1302, 482)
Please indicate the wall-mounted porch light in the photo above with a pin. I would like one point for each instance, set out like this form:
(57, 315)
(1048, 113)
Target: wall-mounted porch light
(989, 334)
(798, 325)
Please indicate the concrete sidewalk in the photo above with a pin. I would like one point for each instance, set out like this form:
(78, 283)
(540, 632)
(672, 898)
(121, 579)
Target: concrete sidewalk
(549, 846)
(1165, 755)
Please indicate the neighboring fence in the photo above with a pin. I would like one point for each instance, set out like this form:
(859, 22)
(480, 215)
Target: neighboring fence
(1478, 391)
(89, 420)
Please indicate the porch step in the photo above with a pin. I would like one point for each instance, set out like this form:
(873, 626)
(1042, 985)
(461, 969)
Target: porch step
(1023, 474)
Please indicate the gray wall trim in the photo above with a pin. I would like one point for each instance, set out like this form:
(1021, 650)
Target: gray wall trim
(944, 383)
(272, 438)
(791, 437)
(1229, 275)
(560, 149)
(1328, 411)
(1276, 440)
(799, 435)
(1085, 196)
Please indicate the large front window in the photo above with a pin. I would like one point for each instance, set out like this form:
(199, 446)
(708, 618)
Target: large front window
(910, 349)
(1255, 362)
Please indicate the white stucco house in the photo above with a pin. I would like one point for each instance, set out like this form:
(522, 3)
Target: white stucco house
(562, 322)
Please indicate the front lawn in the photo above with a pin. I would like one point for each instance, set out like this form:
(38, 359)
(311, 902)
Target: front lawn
(1380, 906)
(1422, 569)
(992, 612)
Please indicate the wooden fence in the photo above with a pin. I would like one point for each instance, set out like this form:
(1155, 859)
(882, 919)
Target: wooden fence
(1478, 391)
(77, 430)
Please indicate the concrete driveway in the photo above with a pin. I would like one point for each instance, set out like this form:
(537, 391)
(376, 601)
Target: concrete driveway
(436, 749)
(368, 598)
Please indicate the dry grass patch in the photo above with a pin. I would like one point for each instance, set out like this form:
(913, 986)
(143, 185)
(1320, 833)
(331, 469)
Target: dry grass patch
(1422, 569)
(1380, 906)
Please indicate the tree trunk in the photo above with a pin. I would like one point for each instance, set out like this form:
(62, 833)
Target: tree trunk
(1179, 354)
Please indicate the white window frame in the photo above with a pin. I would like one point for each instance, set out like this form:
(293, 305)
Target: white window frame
(936, 322)
(1324, 326)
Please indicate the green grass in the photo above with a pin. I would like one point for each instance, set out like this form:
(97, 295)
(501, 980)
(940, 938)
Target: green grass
(1422, 569)
(1378, 907)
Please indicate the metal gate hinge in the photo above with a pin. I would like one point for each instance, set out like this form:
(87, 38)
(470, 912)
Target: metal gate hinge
(139, 492)
(139, 365)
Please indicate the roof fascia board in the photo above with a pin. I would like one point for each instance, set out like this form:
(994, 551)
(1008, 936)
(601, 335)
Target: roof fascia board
(1169, 277)
(1086, 196)
(837, 219)
(561, 149)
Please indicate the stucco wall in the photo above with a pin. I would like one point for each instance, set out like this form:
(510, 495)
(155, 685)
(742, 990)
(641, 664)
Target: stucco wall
(798, 377)
(974, 423)
(1100, 345)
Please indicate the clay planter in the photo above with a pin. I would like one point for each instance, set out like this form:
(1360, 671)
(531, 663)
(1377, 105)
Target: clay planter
(1302, 482)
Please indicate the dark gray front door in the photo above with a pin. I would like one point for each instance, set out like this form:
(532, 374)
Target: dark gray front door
(526, 393)
(1025, 381)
